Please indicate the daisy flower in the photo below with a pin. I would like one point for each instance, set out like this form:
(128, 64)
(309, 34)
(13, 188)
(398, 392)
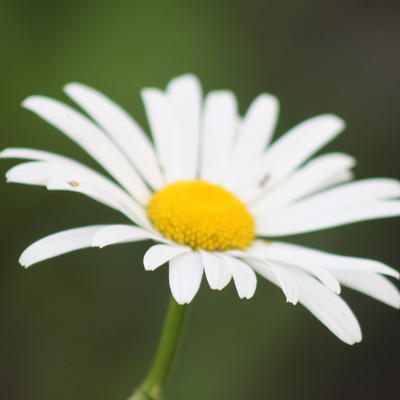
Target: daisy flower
(213, 192)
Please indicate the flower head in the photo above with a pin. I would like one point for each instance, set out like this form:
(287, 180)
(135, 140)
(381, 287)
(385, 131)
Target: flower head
(201, 215)
(210, 189)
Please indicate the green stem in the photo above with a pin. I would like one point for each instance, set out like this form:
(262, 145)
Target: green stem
(154, 383)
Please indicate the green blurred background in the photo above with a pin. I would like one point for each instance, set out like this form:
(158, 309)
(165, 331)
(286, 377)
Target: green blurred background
(84, 326)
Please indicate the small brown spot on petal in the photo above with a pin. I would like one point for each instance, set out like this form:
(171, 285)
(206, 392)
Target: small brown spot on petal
(73, 183)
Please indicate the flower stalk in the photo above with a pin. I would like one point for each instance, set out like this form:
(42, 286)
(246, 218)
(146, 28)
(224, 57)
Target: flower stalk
(153, 385)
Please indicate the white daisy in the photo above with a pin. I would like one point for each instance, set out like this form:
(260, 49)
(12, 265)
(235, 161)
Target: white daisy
(210, 190)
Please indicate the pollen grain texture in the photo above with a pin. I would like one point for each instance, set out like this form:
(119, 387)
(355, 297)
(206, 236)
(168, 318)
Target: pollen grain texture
(201, 215)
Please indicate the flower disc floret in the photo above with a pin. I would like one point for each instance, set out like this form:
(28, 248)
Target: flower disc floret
(201, 215)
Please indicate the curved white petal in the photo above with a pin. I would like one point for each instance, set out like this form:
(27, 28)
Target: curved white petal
(38, 155)
(317, 174)
(371, 284)
(159, 254)
(122, 128)
(38, 172)
(216, 269)
(341, 177)
(330, 309)
(59, 243)
(301, 218)
(92, 140)
(277, 275)
(78, 178)
(254, 135)
(269, 270)
(184, 94)
(352, 193)
(166, 133)
(219, 125)
(304, 258)
(325, 305)
(316, 259)
(185, 273)
(99, 191)
(244, 277)
(35, 172)
(114, 234)
(292, 149)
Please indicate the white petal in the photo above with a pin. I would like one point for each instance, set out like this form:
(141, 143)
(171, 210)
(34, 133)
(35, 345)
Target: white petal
(341, 177)
(159, 254)
(38, 173)
(244, 277)
(61, 171)
(217, 271)
(306, 259)
(292, 149)
(371, 284)
(59, 243)
(121, 127)
(185, 273)
(277, 275)
(300, 218)
(35, 172)
(184, 93)
(78, 178)
(101, 192)
(316, 259)
(38, 155)
(314, 176)
(166, 132)
(115, 234)
(81, 183)
(254, 134)
(92, 139)
(330, 309)
(358, 192)
(218, 134)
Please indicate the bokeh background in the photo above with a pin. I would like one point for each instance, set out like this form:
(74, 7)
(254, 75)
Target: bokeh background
(84, 326)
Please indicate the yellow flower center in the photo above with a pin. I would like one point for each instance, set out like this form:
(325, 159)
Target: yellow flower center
(201, 215)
